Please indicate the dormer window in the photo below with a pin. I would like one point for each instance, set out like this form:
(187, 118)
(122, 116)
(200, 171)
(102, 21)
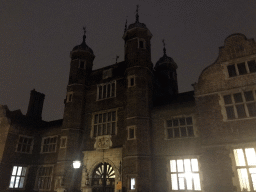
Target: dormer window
(241, 68)
(81, 64)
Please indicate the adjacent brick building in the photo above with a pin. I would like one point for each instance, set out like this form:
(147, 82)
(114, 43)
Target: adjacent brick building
(133, 131)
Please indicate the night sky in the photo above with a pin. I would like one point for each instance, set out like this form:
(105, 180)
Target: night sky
(36, 38)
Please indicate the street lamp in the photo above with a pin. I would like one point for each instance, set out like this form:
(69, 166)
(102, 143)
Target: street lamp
(76, 164)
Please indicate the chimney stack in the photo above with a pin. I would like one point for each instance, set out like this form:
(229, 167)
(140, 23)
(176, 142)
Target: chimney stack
(35, 106)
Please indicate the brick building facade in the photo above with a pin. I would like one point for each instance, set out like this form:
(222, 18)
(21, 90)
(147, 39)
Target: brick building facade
(131, 129)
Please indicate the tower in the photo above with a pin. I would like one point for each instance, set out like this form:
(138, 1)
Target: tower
(73, 121)
(166, 76)
(137, 149)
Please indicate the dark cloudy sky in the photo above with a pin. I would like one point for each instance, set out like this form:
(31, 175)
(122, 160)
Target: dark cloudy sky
(36, 38)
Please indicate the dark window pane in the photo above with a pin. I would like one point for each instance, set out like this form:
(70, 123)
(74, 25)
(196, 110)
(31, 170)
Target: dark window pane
(238, 98)
(113, 128)
(240, 111)
(25, 140)
(82, 64)
(189, 120)
(190, 131)
(141, 44)
(241, 68)
(29, 141)
(99, 129)
(113, 116)
(252, 66)
(109, 116)
(100, 118)
(252, 109)
(108, 90)
(28, 149)
(248, 96)
(132, 81)
(104, 129)
(104, 117)
(108, 128)
(55, 140)
(21, 140)
(231, 70)
(104, 91)
(176, 132)
(183, 132)
(175, 122)
(227, 99)
(113, 89)
(95, 131)
(19, 147)
(96, 119)
(169, 123)
(230, 112)
(182, 121)
(100, 92)
(170, 133)
(131, 133)
(23, 148)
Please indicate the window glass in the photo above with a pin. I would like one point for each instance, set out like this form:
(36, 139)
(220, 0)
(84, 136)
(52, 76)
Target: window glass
(227, 99)
(248, 96)
(18, 177)
(240, 111)
(49, 144)
(182, 127)
(241, 68)
(24, 145)
(252, 66)
(231, 70)
(238, 98)
(106, 90)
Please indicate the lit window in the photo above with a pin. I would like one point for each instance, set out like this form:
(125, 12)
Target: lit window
(185, 174)
(107, 73)
(106, 90)
(63, 142)
(104, 123)
(241, 68)
(240, 105)
(44, 177)
(18, 177)
(49, 144)
(25, 144)
(180, 127)
(132, 184)
(131, 132)
(246, 168)
(131, 81)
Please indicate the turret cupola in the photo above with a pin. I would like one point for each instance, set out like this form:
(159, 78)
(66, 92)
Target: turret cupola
(165, 69)
(137, 43)
(82, 57)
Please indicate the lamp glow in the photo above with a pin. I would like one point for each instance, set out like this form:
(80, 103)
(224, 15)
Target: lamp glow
(76, 164)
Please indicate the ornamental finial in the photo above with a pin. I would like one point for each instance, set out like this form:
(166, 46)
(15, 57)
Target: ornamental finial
(137, 14)
(164, 47)
(84, 36)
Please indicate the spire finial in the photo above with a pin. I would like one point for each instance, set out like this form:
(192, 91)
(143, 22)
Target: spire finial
(84, 36)
(137, 14)
(164, 47)
(125, 27)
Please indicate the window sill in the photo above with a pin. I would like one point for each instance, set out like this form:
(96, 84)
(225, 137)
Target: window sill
(238, 119)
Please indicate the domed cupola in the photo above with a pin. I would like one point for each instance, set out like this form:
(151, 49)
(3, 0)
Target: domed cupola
(165, 62)
(83, 46)
(165, 72)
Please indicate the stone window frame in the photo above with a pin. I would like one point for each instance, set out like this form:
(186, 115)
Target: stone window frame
(130, 77)
(61, 141)
(20, 175)
(235, 62)
(80, 62)
(233, 104)
(108, 93)
(134, 133)
(49, 144)
(22, 144)
(235, 167)
(48, 176)
(93, 132)
(176, 172)
(180, 126)
(107, 73)
(58, 182)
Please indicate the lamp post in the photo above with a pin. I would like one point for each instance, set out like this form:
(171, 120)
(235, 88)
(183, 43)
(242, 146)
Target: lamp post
(77, 164)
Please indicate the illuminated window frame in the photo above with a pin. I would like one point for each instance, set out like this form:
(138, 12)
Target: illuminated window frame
(18, 177)
(185, 174)
(245, 160)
